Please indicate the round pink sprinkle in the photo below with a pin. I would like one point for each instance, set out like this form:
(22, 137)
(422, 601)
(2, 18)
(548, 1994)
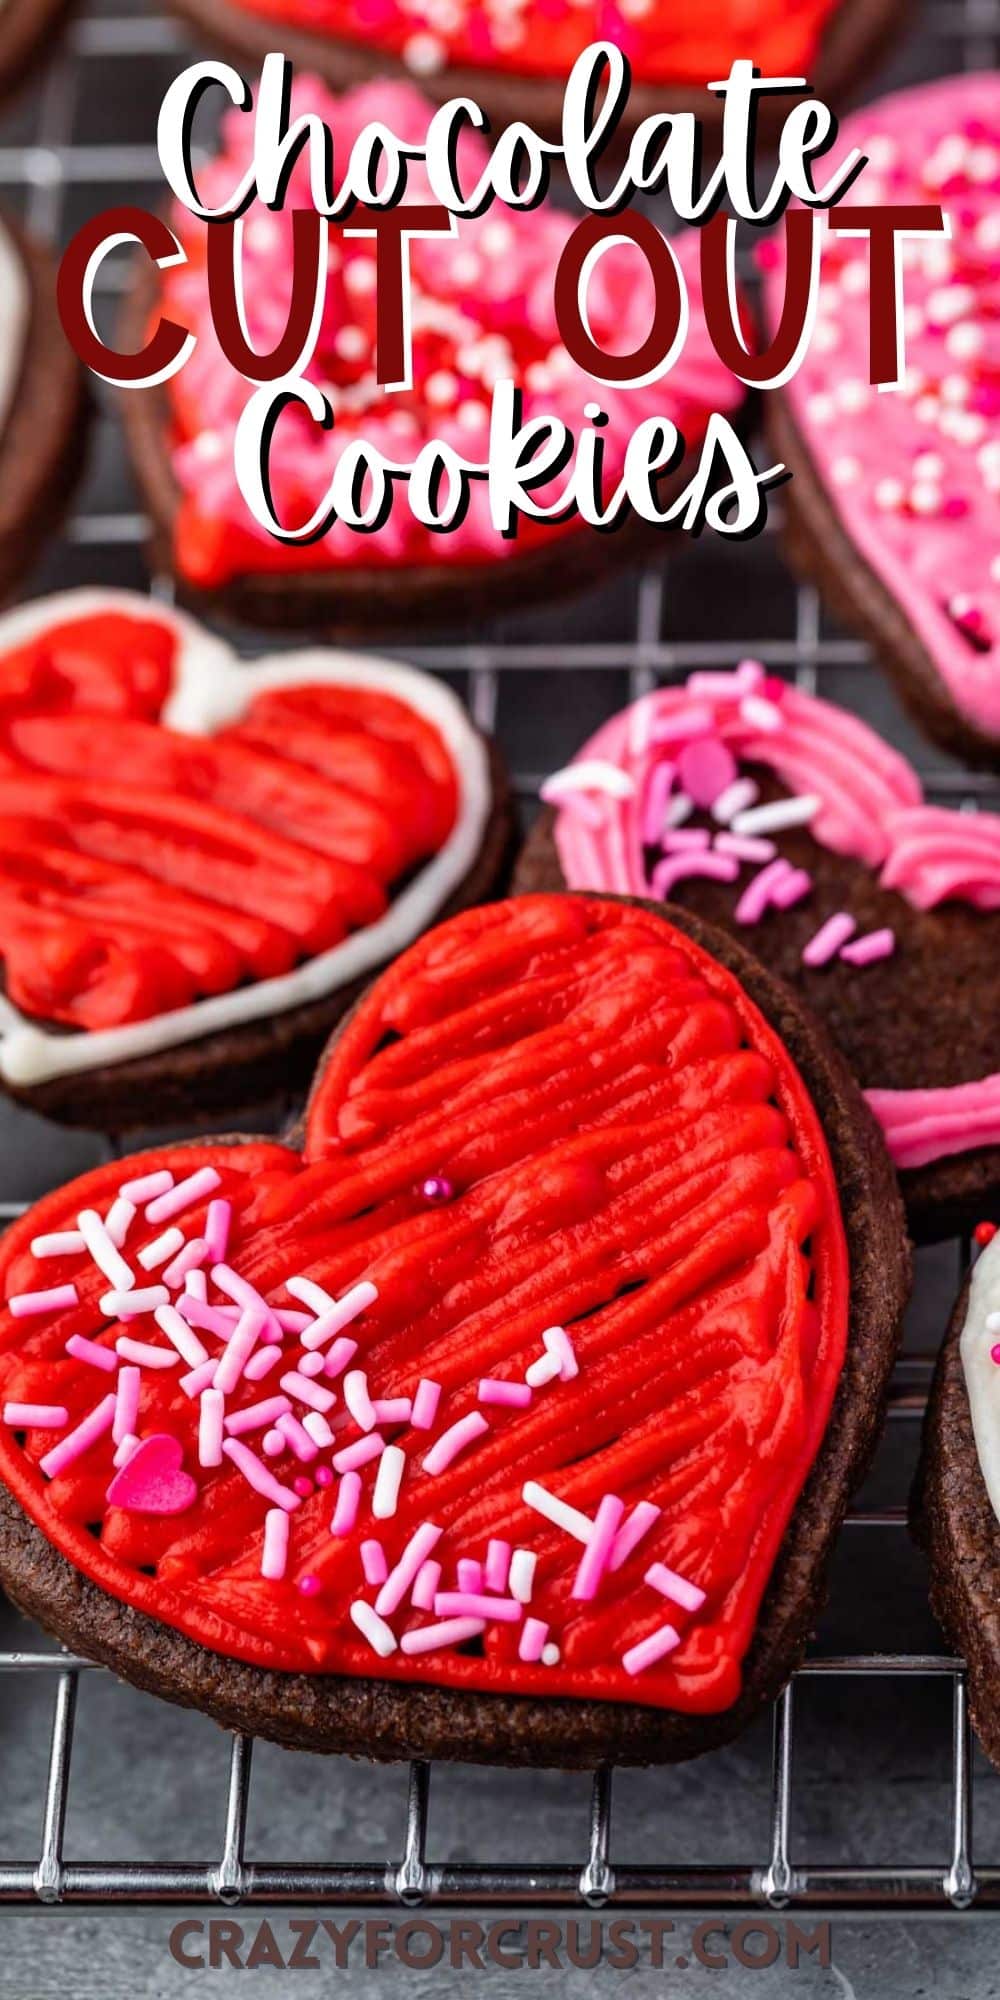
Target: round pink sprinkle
(302, 1486)
(995, 1353)
(272, 1444)
(324, 1475)
(309, 1586)
(437, 1189)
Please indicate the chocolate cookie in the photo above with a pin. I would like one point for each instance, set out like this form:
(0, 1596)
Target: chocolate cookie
(205, 860)
(535, 1335)
(956, 1494)
(790, 823)
(894, 503)
(27, 29)
(43, 405)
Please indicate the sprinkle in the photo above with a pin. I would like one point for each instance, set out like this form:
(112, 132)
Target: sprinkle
(188, 1346)
(510, 1395)
(760, 713)
(399, 1580)
(534, 1633)
(589, 774)
(450, 1632)
(759, 894)
(778, 814)
(550, 1655)
(596, 1555)
(315, 1426)
(147, 1187)
(683, 723)
(25, 1305)
(245, 1295)
(174, 1200)
(144, 1355)
(129, 1305)
(470, 1573)
(497, 1564)
(217, 1223)
(211, 1318)
(105, 1254)
(119, 1220)
(36, 1416)
(196, 1286)
(345, 1511)
(744, 847)
(310, 1294)
(373, 1562)
(297, 1437)
(678, 809)
(323, 1474)
(258, 1476)
(453, 1441)
(190, 1258)
(737, 798)
(257, 1415)
(310, 1366)
(995, 1352)
(274, 1558)
(426, 1587)
(305, 1391)
(709, 867)
(79, 1440)
(292, 1322)
(523, 1563)
(211, 1418)
(706, 768)
(388, 1478)
(199, 1379)
(272, 1444)
(559, 1512)
(238, 1349)
(393, 1409)
(425, 1404)
(829, 938)
(558, 1343)
(437, 1189)
(358, 1400)
(686, 840)
(261, 1363)
(341, 1314)
(125, 1450)
(161, 1249)
(92, 1352)
(543, 1371)
(631, 1533)
(361, 1453)
(993, 1322)
(61, 1243)
(648, 1651)
(470, 1604)
(874, 945)
(338, 1356)
(791, 888)
(669, 1584)
(657, 793)
(303, 1486)
(373, 1628)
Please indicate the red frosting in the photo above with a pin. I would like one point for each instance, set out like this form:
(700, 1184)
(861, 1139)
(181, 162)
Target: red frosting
(665, 43)
(142, 869)
(625, 1151)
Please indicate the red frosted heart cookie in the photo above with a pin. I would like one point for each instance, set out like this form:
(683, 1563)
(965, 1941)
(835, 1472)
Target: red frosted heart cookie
(519, 1409)
(790, 823)
(202, 860)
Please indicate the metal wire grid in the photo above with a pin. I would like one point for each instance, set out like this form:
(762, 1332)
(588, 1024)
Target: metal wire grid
(44, 172)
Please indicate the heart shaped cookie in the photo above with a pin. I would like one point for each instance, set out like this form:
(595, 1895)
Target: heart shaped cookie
(204, 859)
(521, 1406)
(894, 505)
(790, 823)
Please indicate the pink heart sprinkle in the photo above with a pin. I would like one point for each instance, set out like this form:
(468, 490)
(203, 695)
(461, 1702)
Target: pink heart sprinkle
(153, 1481)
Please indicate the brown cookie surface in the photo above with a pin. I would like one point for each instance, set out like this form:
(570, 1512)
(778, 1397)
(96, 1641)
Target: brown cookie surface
(43, 437)
(27, 28)
(373, 1718)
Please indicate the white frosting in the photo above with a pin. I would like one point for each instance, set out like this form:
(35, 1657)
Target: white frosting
(212, 686)
(982, 1375)
(15, 306)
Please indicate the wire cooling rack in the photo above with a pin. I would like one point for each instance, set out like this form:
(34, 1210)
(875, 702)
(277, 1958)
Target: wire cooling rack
(65, 150)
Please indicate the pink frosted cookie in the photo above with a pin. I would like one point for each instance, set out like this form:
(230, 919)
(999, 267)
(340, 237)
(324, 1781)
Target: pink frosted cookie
(481, 310)
(791, 824)
(895, 500)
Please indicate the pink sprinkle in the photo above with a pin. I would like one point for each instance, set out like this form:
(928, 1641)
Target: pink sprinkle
(345, 1512)
(995, 1352)
(338, 1357)
(648, 1651)
(211, 1319)
(297, 1437)
(631, 1532)
(272, 1444)
(745, 847)
(174, 1200)
(119, 1220)
(239, 1348)
(695, 720)
(305, 1391)
(257, 1416)
(310, 1366)
(360, 1453)
(413, 1559)
(669, 1584)
(315, 1426)
(323, 1475)
(470, 1573)
(148, 1187)
(217, 1223)
(309, 1586)
(497, 1564)
(79, 1440)
(92, 1353)
(676, 868)
(346, 1309)
(450, 1632)
(126, 1403)
(425, 1404)
(292, 1322)
(454, 1440)
(358, 1400)
(258, 1476)
(469, 1604)
(244, 1293)
(36, 1416)
(426, 1587)
(196, 1285)
(791, 889)
(199, 1379)
(596, 1555)
(874, 945)
(274, 1560)
(374, 1564)
(705, 768)
(261, 1363)
(654, 808)
(144, 1355)
(510, 1395)
(533, 1636)
(759, 894)
(393, 1410)
(737, 798)
(829, 938)
(190, 1258)
(686, 840)
(25, 1305)
(210, 1422)
(188, 1345)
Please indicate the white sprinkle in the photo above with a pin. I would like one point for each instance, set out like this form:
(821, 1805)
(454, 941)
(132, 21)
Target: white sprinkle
(147, 1187)
(274, 1557)
(174, 1200)
(316, 1427)
(62, 1243)
(543, 1371)
(183, 1337)
(131, 1304)
(559, 1512)
(759, 713)
(211, 1418)
(340, 1314)
(743, 792)
(591, 774)
(550, 1655)
(119, 1220)
(388, 1478)
(358, 1400)
(778, 815)
(380, 1636)
(105, 1254)
(161, 1249)
(310, 1294)
(522, 1574)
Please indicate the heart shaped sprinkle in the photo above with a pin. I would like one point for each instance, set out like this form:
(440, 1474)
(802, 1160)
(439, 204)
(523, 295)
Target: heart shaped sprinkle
(153, 1480)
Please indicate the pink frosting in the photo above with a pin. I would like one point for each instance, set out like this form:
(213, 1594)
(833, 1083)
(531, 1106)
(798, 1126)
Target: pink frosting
(482, 308)
(925, 1125)
(914, 473)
